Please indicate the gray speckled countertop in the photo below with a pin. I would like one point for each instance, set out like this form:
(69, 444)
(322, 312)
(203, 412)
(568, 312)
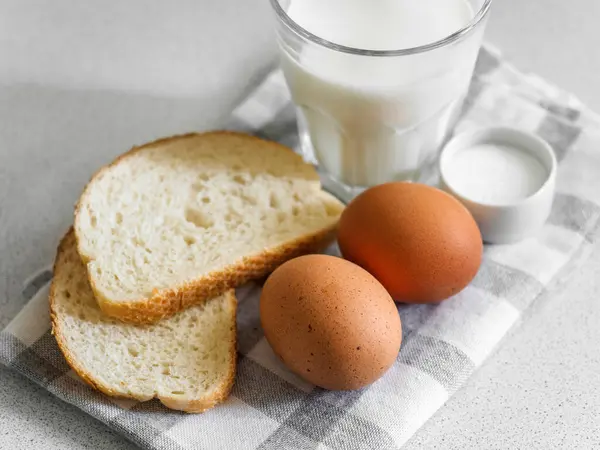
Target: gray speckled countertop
(82, 81)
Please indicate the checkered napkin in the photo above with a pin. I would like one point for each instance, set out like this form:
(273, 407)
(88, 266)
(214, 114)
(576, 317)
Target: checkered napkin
(270, 408)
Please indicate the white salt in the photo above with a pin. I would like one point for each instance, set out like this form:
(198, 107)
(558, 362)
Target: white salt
(495, 173)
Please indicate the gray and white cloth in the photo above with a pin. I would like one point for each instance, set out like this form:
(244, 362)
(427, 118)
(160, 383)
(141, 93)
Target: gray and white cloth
(271, 408)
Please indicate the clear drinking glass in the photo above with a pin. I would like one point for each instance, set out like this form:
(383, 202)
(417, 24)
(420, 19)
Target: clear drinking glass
(368, 117)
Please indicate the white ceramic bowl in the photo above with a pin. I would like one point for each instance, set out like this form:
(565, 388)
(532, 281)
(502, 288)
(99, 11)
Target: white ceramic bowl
(504, 222)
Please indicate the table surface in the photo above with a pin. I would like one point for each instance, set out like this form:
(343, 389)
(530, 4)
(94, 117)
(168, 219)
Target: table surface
(82, 81)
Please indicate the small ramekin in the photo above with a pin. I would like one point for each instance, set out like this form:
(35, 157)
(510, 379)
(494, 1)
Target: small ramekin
(508, 222)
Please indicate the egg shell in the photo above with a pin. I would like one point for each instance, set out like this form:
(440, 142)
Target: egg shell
(330, 322)
(421, 243)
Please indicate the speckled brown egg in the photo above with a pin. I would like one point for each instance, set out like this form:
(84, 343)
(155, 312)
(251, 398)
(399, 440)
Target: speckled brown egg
(422, 244)
(330, 322)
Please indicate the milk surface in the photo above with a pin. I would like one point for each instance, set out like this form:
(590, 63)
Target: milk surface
(377, 119)
(381, 24)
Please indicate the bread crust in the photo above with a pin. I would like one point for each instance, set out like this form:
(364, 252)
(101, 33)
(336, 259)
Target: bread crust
(166, 302)
(172, 402)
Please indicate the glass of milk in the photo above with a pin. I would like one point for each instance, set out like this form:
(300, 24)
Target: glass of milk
(378, 83)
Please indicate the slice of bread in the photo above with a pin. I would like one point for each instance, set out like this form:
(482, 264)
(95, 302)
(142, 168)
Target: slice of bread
(186, 361)
(183, 219)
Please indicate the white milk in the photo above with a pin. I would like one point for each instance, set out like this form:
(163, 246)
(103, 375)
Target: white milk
(377, 119)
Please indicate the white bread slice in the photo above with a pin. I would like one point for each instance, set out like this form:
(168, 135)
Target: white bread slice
(183, 219)
(186, 361)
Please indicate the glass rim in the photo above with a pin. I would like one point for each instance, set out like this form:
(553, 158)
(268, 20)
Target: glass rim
(456, 36)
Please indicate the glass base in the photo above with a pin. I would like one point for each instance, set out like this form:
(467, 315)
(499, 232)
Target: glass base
(426, 173)
(429, 175)
(345, 193)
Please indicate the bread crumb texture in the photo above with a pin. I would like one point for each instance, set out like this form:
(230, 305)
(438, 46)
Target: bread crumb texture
(187, 361)
(171, 212)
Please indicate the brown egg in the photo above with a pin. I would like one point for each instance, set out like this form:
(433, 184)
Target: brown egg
(422, 244)
(330, 322)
